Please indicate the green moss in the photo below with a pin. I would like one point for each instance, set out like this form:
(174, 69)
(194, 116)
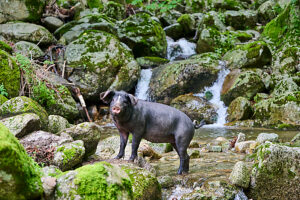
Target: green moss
(25, 173)
(5, 47)
(35, 8)
(2, 99)
(95, 4)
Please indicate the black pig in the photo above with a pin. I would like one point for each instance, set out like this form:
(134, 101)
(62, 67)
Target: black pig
(154, 122)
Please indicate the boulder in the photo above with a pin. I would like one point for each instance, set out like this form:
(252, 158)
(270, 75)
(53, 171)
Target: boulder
(98, 181)
(21, 10)
(180, 77)
(23, 124)
(241, 137)
(241, 84)
(283, 85)
(57, 123)
(263, 137)
(240, 175)
(88, 132)
(239, 109)
(28, 49)
(277, 169)
(69, 155)
(17, 31)
(242, 19)
(196, 108)
(266, 12)
(252, 55)
(151, 62)
(19, 105)
(10, 74)
(244, 147)
(53, 23)
(187, 23)
(101, 62)
(114, 10)
(143, 35)
(20, 175)
(175, 31)
(169, 17)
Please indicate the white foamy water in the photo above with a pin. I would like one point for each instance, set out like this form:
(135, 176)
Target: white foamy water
(142, 87)
(180, 49)
(178, 192)
(215, 89)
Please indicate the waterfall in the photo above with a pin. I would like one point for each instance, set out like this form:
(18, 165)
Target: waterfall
(143, 84)
(181, 49)
(215, 90)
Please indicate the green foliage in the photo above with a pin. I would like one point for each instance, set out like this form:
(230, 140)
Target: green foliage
(43, 95)
(3, 90)
(159, 6)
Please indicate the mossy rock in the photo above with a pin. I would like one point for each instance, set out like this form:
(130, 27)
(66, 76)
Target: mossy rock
(180, 77)
(196, 108)
(187, 23)
(143, 35)
(21, 10)
(144, 183)
(283, 86)
(239, 109)
(57, 123)
(28, 49)
(240, 175)
(266, 12)
(277, 170)
(2, 99)
(20, 31)
(97, 181)
(101, 61)
(114, 10)
(175, 31)
(151, 62)
(19, 105)
(10, 74)
(241, 84)
(252, 55)
(242, 19)
(5, 47)
(20, 175)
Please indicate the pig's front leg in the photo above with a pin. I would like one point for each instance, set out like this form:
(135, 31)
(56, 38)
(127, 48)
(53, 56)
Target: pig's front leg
(123, 143)
(136, 140)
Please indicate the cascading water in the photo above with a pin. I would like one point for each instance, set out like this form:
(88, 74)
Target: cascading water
(143, 84)
(215, 90)
(181, 49)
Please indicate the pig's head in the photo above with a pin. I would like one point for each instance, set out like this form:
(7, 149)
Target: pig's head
(121, 103)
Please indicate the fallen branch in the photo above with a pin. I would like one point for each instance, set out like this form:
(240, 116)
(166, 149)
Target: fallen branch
(82, 102)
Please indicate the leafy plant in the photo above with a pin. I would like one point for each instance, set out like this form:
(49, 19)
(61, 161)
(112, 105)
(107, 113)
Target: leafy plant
(43, 95)
(3, 90)
(156, 5)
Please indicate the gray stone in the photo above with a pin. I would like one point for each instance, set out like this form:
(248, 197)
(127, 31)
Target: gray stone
(175, 31)
(241, 137)
(215, 148)
(49, 184)
(240, 175)
(239, 109)
(28, 49)
(57, 123)
(244, 147)
(53, 23)
(22, 124)
(263, 137)
(241, 19)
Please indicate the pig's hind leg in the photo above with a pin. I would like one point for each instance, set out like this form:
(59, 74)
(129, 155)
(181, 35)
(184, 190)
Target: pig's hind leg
(123, 143)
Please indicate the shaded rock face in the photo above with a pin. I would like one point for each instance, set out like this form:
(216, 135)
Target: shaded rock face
(98, 181)
(180, 77)
(19, 174)
(237, 83)
(21, 10)
(143, 35)
(23, 124)
(277, 170)
(241, 19)
(27, 32)
(239, 109)
(280, 110)
(88, 132)
(101, 62)
(196, 108)
(10, 74)
(19, 105)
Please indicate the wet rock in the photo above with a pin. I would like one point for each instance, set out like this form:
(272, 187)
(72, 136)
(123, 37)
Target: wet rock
(19, 174)
(255, 54)
(213, 190)
(177, 78)
(100, 180)
(151, 62)
(88, 132)
(53, 23)
(57, 123)
(241, 19)
(196, 108)
(28, 49)
(263, 137)
(100, 62)
(10, 74)
(143, 35)
(239, 109)
(146, 150)
(245, 84)
(18, 31)
(23, 124)
(195, 154)
(175, 31)
(21, 10)
(187, 23)
(277, 170)
(69, 155)
(240, 175)
(19, 105)
(244, 147)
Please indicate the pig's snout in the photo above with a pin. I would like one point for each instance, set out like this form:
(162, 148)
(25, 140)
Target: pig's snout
(116, 110)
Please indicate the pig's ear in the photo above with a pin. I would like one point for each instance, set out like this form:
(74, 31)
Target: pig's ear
(133, 99)
(107, 96)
